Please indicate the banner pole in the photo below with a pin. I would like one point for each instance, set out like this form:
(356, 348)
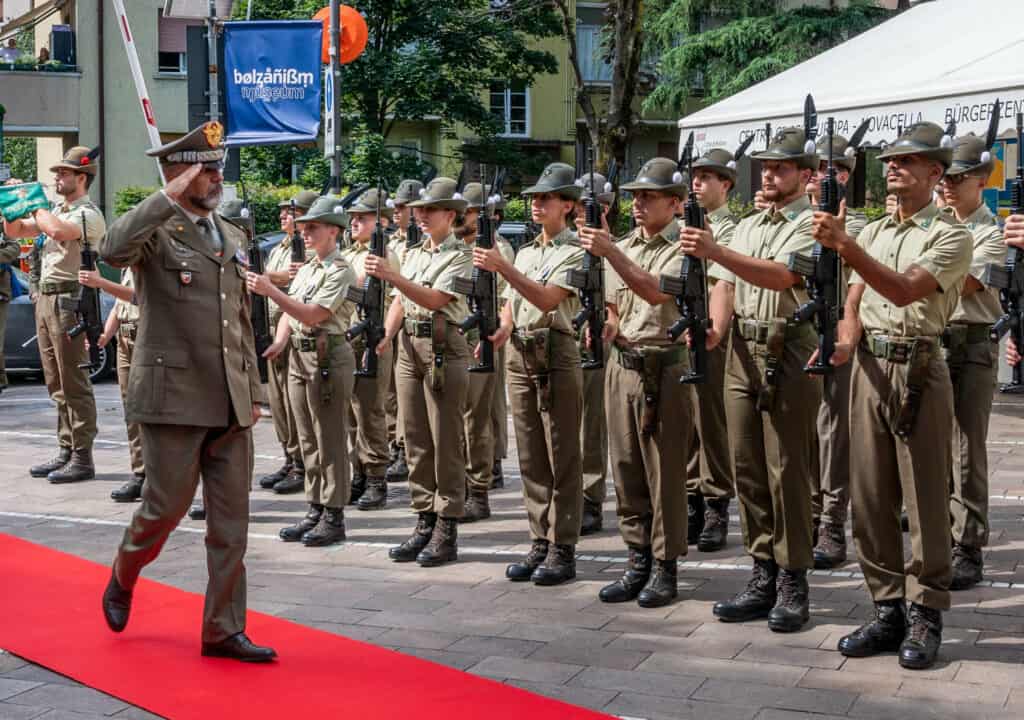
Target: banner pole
(211, 50)
(335, 70)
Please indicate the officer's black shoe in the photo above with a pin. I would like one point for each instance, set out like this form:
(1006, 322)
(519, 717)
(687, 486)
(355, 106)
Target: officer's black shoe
(442, 547)
(44, 469)
(117, 604)
(694, 517)
(376, 495)
(716, 526)
(79, 468)
(924, 636)
(407, 551)
(523, 570)
(239, 647)
(267, 482)
(884, 633)
(294, 533)
(477, 507)
(358, 488)
(559, 566)
(330, 529)
(130, 491)
(197, 511)
(830, 550)
(593, 519)
(497, 476)
(792, 606)
(967, 567)
(638, 572)
(294, 481)
(398, 470)
(662, 588)
(756, 600)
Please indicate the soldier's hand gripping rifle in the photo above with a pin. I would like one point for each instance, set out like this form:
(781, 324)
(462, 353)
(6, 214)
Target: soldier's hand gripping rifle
(589, 279)
(690, 287)
(481, 290)
(87, 306)
(260, 310)
(370, 299)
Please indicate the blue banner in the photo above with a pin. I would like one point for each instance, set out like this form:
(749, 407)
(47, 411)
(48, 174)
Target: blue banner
(272, 81)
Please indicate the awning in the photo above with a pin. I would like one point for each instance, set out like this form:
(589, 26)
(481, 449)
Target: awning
(30, 18)
(939, 61)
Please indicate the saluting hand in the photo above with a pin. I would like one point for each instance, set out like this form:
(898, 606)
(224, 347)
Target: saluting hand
(698, 242)
(176, 188)
(259, 284)
(829, 229)
(1013, 231)
(596, 241)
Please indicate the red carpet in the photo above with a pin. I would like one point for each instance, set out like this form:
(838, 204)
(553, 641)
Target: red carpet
(50, 614)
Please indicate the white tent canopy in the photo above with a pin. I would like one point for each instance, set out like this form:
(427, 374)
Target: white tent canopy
(939, 61)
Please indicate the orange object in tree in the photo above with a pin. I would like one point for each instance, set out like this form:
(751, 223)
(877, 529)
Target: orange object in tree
(354, 34)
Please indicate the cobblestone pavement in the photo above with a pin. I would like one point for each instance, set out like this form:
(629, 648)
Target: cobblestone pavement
(675, 662)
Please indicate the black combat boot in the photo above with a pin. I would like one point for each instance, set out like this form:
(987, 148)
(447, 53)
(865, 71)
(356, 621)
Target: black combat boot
(924, 636)
(358, 487)
(197, 511)
(294, 533)
(44, 469)
(269, 481)
(559, 566)
(756, 600)
(376, 495)
(407, 551)
(294, 481)
(443, 545)
(79, 468)
(694, 517)
(398, 470)
(884, 633)
(662, 588)
(593, 518)
(792, 606)
(638, 572)
(330, 529)
(523, 570)
(130, 491)
(497, 476)
(716, 525)
(967, 567)
(477, 507)
(830, 550)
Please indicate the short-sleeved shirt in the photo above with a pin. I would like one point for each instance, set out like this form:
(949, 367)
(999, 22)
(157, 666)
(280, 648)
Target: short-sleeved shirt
(279, 260)
(983, 306)
(355, 254)
(547, 264)
(324, 283)
(933, 242)
(856, 221)
(774, 234)
(641, 323)
(437, 268)
(127, 311)
(61, 261)
(722, 224)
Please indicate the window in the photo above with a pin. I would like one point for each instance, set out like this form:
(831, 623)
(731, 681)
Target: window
(511, 105)
(171, 62)
(171, 43)
(588, 46)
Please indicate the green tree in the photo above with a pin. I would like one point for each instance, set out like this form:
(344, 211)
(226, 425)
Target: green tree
(20, 154)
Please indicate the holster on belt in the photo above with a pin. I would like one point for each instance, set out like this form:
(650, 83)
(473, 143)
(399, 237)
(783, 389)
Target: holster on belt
(438, 344)
(917, 371)
(323, 362)
(651, 378)
(775, 348)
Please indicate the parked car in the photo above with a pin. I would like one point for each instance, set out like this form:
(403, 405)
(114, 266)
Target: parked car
(21, 350)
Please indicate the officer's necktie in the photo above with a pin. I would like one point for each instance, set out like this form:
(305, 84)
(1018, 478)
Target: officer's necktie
(212, 238)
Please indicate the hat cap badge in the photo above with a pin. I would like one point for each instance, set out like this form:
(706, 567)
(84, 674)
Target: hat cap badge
(214, 133)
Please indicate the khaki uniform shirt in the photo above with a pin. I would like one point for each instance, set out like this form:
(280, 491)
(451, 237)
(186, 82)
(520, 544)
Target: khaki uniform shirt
(279, 260)
(775, 235)
(547, 264)
(856, 221)
(982, 306)
(61, 261)
(355, 255)
(933, 242)
(127, 311)
(722, 225)
(437, 268)
(324, 283)
(641, 323)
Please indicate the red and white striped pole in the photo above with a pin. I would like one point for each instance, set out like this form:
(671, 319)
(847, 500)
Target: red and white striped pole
(140, 83)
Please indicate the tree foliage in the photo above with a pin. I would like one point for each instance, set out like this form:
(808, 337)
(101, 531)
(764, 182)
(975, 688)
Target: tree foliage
(20, 154)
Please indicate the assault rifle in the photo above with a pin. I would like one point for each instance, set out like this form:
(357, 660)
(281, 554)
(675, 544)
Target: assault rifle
(690, 288)
(298, 245)
(481, 290)
(87, 307)
(589, 279)
(260, 313)
(370, 299)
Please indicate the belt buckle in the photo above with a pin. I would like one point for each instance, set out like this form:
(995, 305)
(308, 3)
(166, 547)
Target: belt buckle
(424, 328)
(900, 352)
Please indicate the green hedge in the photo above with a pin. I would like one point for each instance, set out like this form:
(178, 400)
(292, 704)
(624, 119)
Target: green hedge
(517, 210)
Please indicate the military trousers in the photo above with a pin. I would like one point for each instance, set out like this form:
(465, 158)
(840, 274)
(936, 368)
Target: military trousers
(175, 456)
(896, 473)
(478, 430)
(546, 424)
(367, 417)
(280, 407)
(499, 407)
(773, 450)
(649, 469)
(832, 495)
(320, 407)
(431, 422)
(709, 472)
(67, 383)
(125, 350)
(972, 403)
(3, 334)
(594, 435)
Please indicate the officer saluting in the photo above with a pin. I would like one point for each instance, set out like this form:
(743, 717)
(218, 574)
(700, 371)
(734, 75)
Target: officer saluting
(193, 383)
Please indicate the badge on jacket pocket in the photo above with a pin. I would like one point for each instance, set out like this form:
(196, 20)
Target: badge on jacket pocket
(186, 277)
